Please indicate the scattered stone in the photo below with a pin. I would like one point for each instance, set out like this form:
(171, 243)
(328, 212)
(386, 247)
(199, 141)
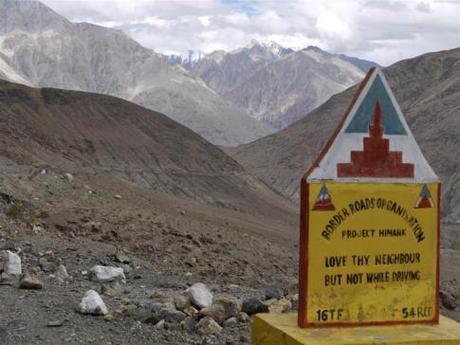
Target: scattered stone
(69, 177)
(92, 303)
(273, 293)
(215, 311)
(210, 340)
(448, 301)
(200, 295)
(279, 306)
(160, 324)
(46, 266)
(207, 326)
(55, 323)
(182, 302)
(11, 263)
(174, 316)
(243, 317)
(292, 288)
(231, 322)
(111, 290)
(253, 306)
(191, 311)
(36, 228)
(104, 274)
(5, 279)
(222, 309)
(172, 326)
(188, 324)
(294, 301)
(61, 274)
(29, 282)
(122, 258)
(117, 196)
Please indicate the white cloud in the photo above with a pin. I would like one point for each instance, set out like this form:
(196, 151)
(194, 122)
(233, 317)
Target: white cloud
(380, 30)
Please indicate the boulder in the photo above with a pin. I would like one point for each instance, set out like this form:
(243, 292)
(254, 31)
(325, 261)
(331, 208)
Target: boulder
(222, 309)
(188, 324)
(182, 302)
(200, 295)
(231, 322)
(207, 326)
(11, 263)
(174, 316)
(273, 293)
(30, 282)
(92, 303)
(215, 311)
(104, 274)
(253, 306)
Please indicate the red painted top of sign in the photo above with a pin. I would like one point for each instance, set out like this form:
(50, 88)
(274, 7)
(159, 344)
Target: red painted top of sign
(373, 141)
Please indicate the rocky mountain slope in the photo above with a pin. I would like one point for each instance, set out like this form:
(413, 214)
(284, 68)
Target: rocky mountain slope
(46, 50)
(97, 134)
(428, 90)
(275, 84)
(287, 89)
(222, 71)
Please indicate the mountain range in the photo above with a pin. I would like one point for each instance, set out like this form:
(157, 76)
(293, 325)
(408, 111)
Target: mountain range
(428, 90)
(229, 98)
(275, 84)
(38, 47)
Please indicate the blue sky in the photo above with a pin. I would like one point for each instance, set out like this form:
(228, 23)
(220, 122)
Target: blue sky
(247, 6)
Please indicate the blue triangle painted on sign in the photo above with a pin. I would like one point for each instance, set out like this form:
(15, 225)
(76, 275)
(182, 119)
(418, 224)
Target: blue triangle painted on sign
(425, 193)
(363, 115)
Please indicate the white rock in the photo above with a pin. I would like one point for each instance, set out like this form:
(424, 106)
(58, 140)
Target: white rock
(92, 304)
(11, 263)
(69, 177)
(106, 274)
(200, 295)
(62, 274)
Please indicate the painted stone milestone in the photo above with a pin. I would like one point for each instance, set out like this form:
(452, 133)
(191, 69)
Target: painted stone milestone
(369, 250)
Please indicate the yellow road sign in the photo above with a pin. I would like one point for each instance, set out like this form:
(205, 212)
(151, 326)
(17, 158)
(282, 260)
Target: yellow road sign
(372, 253)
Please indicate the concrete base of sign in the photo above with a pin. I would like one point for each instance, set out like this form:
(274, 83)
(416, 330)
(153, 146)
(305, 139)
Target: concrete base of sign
(281, 329)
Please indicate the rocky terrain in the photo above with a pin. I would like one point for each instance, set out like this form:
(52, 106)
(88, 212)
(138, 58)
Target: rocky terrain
(287, 89)
(91, 180)
(152, 246)
(428, 90)
(39, 47)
